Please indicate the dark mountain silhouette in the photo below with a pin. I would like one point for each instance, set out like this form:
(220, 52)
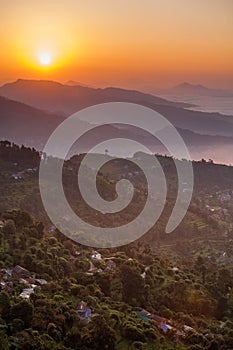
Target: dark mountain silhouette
(66, 99)
(198, 122)
(26, 125)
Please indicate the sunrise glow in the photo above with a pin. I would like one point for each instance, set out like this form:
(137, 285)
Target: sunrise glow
(156, 42)
(45, 58)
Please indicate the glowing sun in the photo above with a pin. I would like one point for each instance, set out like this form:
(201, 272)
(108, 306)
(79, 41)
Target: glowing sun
(45, 59)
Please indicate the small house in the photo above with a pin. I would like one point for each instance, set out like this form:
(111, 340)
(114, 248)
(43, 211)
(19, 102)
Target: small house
(84, 313)
(73, 259)
(144, 315)
(51, 229)
(158, 320)
(164, 327)
(8, 273)
(40, 282)
(2, 285)
(19, 272)
(175, 269)
(95, 255)
(26, 293)
(111, 265)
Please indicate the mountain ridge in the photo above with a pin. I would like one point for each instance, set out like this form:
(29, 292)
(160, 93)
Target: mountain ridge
(69, 99)
(27, 125)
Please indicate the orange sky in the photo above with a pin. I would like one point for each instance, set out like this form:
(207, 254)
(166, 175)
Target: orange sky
(133, 43)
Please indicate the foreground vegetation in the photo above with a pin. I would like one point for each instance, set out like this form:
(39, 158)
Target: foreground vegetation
(185, 278)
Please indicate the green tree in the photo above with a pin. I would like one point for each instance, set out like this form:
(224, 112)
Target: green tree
(133, 283)
(104, 337)
(4, 344)
(24, 311)
(4, 304)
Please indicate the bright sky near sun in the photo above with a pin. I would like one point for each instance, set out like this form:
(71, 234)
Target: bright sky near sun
(124, 42)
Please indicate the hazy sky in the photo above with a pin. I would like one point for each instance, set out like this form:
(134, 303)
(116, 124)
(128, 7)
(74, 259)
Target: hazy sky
(134, 43)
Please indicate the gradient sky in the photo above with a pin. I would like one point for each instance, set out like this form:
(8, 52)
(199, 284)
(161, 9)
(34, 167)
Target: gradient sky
(133, 43)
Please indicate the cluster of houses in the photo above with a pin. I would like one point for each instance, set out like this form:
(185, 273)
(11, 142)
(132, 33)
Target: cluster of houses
(9, 277)
(159, 321)
(225, 196)
(22, 276)
(24, 173)
(110, 265)
(164, 325)
(217, 212)
(217, 204)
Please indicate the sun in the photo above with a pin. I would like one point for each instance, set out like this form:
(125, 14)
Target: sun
(45, 59)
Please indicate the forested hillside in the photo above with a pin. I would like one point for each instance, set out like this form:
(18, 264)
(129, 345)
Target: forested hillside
(162, 292)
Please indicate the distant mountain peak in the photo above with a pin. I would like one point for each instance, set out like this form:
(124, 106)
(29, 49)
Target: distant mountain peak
(188, 89)
(187, 85)
(184, 84)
